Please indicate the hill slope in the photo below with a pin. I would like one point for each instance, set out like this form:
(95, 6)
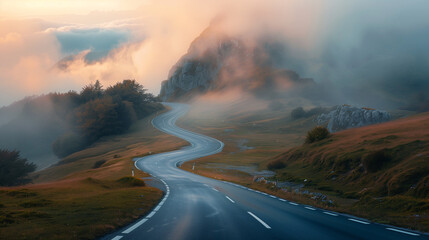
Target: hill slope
(384, 159)
(384, 167)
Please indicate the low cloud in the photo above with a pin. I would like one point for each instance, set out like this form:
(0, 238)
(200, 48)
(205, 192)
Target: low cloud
(363, 47)
(99, 42)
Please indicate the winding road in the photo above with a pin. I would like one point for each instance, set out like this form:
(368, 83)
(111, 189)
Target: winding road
(196, 207)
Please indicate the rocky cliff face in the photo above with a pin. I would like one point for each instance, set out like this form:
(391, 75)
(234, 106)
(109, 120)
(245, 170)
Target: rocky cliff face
(216, 61)
(199, 68)
(345, 116)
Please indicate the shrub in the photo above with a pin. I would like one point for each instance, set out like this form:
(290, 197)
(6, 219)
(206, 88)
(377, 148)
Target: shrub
(132, 181)
(316, 134)
(375, 160)
(276, 164)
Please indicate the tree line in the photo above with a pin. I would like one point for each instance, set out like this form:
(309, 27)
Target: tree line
(96, 112)
(74, 120)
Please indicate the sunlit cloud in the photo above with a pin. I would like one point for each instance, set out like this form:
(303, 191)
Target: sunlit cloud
(58, 45)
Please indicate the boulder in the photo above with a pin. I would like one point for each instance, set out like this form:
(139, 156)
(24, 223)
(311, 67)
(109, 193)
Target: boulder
(345, 116)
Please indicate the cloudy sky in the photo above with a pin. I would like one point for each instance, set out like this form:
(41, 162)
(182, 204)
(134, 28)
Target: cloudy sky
(58, 45)
(376, 47)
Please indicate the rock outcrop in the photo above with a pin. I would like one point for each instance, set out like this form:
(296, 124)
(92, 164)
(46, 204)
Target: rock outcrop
(216, 61)
(199, 68)
(345, 116)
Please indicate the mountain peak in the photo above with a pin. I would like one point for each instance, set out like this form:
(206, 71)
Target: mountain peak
(216, 61)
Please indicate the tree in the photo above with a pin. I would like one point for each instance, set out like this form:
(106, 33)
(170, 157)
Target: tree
(91, 92)
(14, 169)
(104, 112)
(133, 92)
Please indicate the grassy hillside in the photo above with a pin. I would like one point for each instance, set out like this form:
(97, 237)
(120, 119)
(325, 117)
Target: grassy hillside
(344, 167)
(251, 135)
(384, 168)
(383, 159)
(89, 193)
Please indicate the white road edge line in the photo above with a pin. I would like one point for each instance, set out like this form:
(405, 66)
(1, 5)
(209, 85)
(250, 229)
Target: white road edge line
(215, 189)
(151, 214)
(310, 208)
(259, 220)
(273, 196)
(405, 232)
(281, 199)
(136, 225)
(332, 214)
(358, 221)
(117, 237)
(230, 199)
(296, 204)
(130, 229)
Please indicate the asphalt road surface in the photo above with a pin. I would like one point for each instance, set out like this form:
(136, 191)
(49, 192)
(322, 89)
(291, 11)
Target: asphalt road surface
(196, 207)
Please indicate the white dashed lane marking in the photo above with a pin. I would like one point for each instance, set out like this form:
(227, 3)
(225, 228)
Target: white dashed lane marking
(259, 220)
(295, 204)
(117, 237)
(230, 199)
(310, 208)
(332, 214)
(358, 221)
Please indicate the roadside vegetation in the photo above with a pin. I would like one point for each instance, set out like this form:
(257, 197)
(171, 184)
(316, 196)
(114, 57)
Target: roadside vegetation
(317, 134)
(90, 192)
(379, 172)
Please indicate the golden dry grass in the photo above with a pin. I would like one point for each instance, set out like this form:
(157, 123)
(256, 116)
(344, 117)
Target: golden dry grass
(74, 200)
(406, 138)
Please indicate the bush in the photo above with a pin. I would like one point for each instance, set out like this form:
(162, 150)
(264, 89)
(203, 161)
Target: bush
(375, 160)
(277, 164)
(316, 134)
(132, 181)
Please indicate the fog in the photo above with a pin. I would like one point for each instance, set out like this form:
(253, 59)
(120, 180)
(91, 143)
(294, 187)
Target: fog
(31, 126)
(363, 53)
(376, 47)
